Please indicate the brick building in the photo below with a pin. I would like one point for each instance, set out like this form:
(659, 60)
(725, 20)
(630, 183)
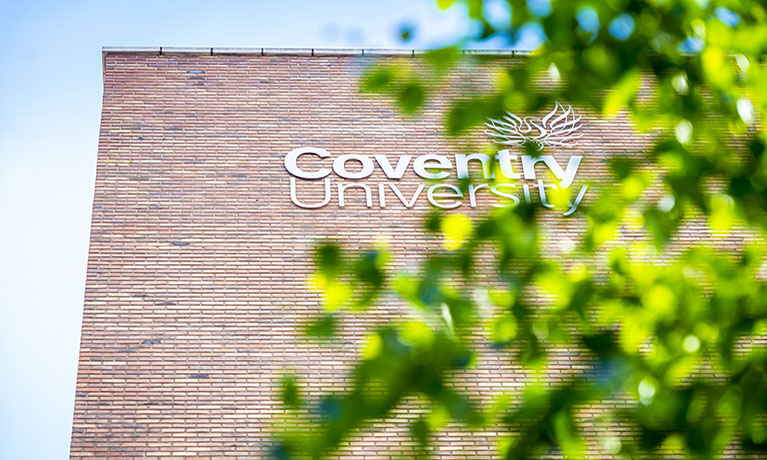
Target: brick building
(199, 254)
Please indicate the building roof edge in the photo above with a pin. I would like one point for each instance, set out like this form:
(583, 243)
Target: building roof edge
(295, 51)
(359, 52)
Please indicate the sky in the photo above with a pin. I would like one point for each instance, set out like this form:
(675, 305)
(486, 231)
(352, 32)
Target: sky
(50, 103)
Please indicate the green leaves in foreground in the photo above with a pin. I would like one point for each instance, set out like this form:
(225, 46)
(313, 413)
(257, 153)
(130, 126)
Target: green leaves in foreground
(396, 363)
(651, 331)
(673, 332)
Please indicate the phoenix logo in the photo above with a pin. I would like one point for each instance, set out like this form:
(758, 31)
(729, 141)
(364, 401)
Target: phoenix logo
(559, 128)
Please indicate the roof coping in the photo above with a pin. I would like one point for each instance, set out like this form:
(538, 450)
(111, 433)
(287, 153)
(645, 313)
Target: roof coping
(360, 52)
(294, 51)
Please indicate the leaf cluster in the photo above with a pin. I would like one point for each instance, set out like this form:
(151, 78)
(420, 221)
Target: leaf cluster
(681, 341)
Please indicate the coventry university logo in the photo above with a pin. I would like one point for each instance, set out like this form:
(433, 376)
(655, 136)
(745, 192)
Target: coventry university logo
(559, 128)
(501, 179)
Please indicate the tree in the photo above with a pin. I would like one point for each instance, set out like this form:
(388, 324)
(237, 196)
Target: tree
(648, 327)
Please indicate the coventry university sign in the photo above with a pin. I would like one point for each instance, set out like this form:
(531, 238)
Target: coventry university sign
(557, 129)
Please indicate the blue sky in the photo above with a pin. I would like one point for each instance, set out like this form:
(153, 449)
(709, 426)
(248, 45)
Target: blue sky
(50, 102)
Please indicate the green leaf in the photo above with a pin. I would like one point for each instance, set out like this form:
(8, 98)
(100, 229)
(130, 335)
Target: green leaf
(322, 327)
(445, 4)
(411, 97)
(289, 392)
(377, 80)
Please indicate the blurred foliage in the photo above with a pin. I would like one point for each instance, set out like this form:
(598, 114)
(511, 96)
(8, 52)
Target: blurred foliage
(683, 341)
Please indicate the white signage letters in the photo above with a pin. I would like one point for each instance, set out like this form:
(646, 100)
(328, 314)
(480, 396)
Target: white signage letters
(339, 166)
(291, 163)
(462, 164)
(504, 160)
(397, 172)
(424, 162)
(307, 165)
(355, 167)
(567, 176)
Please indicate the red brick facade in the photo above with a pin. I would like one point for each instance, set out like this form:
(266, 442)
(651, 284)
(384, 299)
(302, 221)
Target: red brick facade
(198, 260)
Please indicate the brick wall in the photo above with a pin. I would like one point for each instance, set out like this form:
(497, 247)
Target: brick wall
(198, 259)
